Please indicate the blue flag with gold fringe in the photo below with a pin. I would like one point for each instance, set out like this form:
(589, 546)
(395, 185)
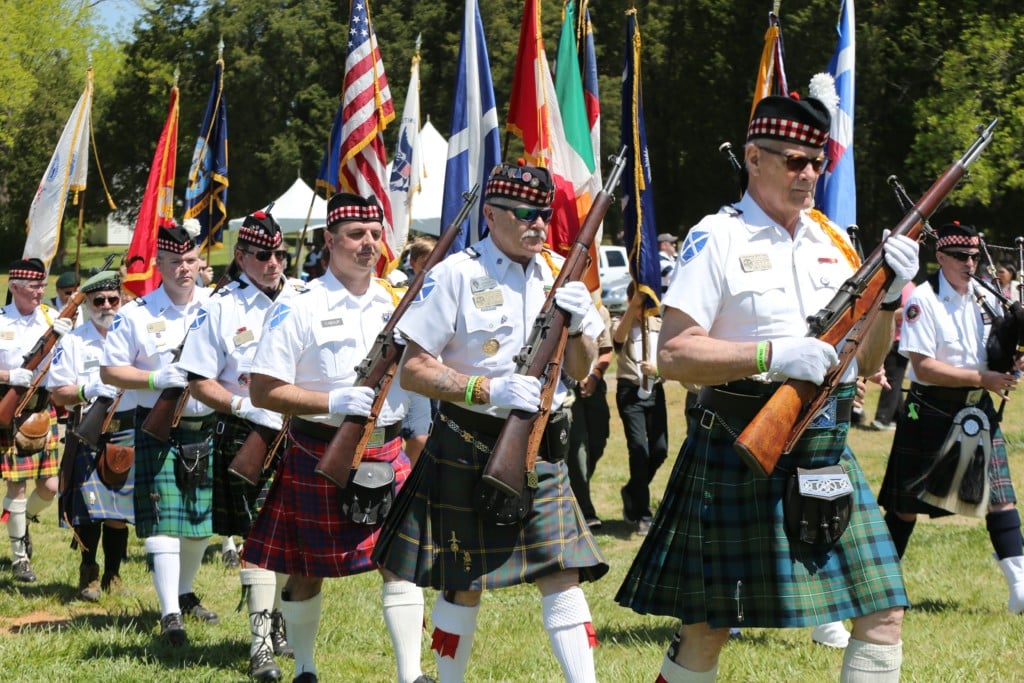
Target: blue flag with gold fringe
(206, 194)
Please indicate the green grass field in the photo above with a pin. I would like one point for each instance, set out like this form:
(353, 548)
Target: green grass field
(959, 629)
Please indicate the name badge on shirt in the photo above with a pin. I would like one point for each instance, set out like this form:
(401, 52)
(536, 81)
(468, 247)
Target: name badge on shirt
(90, 364)
(480, 284)
(489, 300)
(7, 335)
(243, 337)
(331, 322)
(156, 327)
(755, 262)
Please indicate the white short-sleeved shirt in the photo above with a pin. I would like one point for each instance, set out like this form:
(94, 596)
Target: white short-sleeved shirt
(19, 333)
(476, 310)
(77, 359)
(949, 327)
(315, 340)
(742, 277)
(223, 337)
(145, 334)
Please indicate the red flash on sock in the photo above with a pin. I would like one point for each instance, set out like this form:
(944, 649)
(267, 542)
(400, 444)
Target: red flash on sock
(660, 679)
(5, 516)
(591, 635)
(444, 644)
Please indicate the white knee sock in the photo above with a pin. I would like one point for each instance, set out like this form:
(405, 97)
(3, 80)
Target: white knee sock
(228, 543)
(403, 615)
(454, 627)
(866, 662)
(262, 587)
(676, 673)
(36, 504)
(303, 619)
(192, 551)
(16, 524)
(568, 623)
(166, 552)
(280, 580)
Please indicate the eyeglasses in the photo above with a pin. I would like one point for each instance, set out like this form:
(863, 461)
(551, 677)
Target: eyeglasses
(100, 300)
(264, 256)
(528, 215)
(797, 162)
(963, 256)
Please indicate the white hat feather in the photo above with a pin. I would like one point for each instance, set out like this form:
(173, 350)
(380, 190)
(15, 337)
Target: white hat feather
(823, 88)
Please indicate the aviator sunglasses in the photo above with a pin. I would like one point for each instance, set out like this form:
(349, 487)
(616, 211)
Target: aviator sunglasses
(264, 256)
(797, 162)
(100, 300)
(962, 256)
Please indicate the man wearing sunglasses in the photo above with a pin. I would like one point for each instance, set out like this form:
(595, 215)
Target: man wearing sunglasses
(471, 319)
(98, 513)
(948, 421)
(718, 554)
(218, 357)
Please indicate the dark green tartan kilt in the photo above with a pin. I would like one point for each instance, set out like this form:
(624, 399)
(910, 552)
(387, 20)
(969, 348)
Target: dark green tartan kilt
(161, 507)
(718, 552)
(89, 500)
(915, 447)
(235, 502)
(433, 537)
(45, 463)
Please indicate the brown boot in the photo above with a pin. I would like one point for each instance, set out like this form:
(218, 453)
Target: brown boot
(89, 582)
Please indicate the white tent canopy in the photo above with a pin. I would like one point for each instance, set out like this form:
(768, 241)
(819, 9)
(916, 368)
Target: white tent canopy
(426, 204)
(291, 208)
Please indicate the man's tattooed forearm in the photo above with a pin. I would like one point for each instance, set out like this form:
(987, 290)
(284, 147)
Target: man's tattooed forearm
(446, 381)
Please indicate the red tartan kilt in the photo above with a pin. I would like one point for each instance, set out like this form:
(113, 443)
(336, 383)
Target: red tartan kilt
(300, 529)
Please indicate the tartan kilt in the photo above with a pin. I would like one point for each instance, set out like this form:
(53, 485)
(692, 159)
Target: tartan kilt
(718, 552)
(235, 502)
(161, 507)
(89, 500)
(433, 536)
(300, 530)
(915, 447)
(45, 463)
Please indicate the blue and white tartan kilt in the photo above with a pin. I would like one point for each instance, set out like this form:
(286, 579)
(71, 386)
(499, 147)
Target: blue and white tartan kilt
(89, 500)
(45, 463)
(718, 551)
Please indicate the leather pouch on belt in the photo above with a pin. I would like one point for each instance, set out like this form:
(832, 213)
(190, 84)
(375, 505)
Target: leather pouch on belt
(817, 505)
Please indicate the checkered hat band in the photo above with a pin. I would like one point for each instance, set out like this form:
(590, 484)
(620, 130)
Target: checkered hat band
(174, 247)
(957, 241)
(355, 213)
(499, 187)
(787, 129)
(259, 238)
(25, 274)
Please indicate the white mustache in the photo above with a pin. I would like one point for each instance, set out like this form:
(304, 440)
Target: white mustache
(530, 234)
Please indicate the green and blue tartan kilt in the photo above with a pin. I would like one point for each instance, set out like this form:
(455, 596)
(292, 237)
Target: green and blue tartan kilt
(434, 537)
(45, 463)
(161, 507)
(89, 500)
(915, 447)
(718, 552)
(301, 530)
(235, 502)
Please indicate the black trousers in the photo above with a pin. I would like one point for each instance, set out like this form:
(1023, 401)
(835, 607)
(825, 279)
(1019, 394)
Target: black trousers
(645, 422)
(890, 401)
(589, 435)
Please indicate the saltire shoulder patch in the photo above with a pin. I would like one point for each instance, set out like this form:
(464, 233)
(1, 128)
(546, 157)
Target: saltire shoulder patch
(200, 319)
(279, 314)
(428, 286)
(695, 242)
(117, 322)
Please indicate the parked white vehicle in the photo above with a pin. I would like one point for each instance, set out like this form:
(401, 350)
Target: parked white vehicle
(613, 267)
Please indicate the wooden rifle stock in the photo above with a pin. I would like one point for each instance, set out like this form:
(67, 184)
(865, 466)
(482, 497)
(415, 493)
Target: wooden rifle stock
(782, 420)
(345, 449)
(31, 391)
(515, 451)
(256, 452)
(170, 404)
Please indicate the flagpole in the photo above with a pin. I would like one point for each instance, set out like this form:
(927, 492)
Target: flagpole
(302, 237)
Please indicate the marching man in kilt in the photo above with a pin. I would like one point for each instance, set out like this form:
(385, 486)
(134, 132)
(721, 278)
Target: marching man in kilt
(305, 367)
(948, 418)
(718, 554)
(173, 491)
(218, 357)
(470, 320)
(26, 455)
(92, 508)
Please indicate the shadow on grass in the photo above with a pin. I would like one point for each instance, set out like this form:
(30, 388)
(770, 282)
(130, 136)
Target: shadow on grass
(625, 634)
(63, 592)
(618, 528)
(937, 606)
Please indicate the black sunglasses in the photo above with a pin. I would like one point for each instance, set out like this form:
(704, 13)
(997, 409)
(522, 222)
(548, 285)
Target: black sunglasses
(797, 162)
(962, 256)
(528, 215)
(264, 256)
(100, 300)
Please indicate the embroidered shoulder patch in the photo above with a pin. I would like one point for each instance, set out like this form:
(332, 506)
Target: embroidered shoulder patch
(428, 286)
(278, 315)
(912, 313)
(200, 319)
(57, 355)
(117, 322)
(695, 242)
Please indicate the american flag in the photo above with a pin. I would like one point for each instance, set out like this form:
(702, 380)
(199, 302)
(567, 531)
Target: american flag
(366, 110)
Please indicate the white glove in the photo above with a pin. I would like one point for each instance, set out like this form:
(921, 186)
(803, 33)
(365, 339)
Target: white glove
(351, 401)
(169, 376)
(901, 255)
(247, 411)
(574, 298)
(97, 388)
(517, 392)
(803, 358)
(397, 338)
(20, 377)
(62, 326)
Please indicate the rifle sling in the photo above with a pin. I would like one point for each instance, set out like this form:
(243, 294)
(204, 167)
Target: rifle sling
(737, 403)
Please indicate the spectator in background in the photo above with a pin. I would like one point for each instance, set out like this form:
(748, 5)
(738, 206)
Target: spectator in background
(419, 250)
(667, 256)
(204, 275)
(1006, 273)
(67, 285)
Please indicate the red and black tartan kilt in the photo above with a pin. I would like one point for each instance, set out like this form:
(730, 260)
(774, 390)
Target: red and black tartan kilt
(235, 502)
(300, 530)
(45, 463)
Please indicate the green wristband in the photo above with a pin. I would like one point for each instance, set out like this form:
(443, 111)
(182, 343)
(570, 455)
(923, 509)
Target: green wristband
(151, 375)
(470, 385)
(81, 393)
(762, 356)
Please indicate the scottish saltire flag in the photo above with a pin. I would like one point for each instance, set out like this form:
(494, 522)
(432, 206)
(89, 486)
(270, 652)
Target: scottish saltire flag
(771, 71)
(66, 172)
(837, 190)
(639, 229)
(474, 147)
(206, 194)
(407, 164)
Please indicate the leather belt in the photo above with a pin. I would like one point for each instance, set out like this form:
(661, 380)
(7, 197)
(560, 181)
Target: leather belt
(325, 432)
(553, 446)
(741, 408)
(196, 424)
(122, 420)
(488, 424)
(960, 395)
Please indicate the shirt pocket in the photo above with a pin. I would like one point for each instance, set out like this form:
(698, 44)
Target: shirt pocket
(760, 297)
(336, 349)
(491, 338)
